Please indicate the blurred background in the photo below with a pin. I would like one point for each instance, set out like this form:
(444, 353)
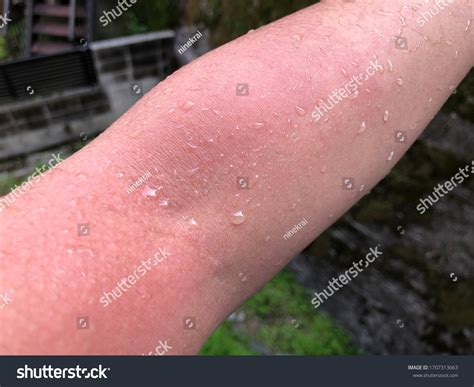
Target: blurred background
(69, 68)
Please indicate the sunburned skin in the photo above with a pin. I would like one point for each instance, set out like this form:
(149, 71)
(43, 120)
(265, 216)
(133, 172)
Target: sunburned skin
(197, 138)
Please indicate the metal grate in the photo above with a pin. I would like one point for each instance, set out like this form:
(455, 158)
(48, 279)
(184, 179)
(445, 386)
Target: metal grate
(46, 75)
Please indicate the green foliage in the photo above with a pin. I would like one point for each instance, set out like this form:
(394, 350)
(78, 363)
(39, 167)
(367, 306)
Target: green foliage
(283, 296)
(314, 336)
(281, 319)
(3, 48)
(7, 183)
(134, 26)
(225, 341)
(229, 19)
(147, 16)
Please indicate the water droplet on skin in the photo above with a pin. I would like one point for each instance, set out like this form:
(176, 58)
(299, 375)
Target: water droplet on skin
(250, 31)
(300, 111)
(164, 202)
(86, 253)
(253, 181)
(385, 116)
(188, 105)
(237, 217)
(390, 66)
(361, 188)
(323, 169)
(353, 95)
(402, 19)
(344, 72)
(267, 238)
(399, 81)
(449, 42)
(456, 54)
(468, 25)
(390, 156)
(243, 278)
(149, 191)
(259, 125)
(362, 127)
(190, 220)
(296, 39)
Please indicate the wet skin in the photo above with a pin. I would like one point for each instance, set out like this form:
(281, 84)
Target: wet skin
(196, 136)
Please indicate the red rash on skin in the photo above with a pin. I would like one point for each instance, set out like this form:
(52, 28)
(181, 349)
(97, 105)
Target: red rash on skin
(196, 155)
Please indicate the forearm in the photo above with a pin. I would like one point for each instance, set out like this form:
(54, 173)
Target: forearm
(195, 136)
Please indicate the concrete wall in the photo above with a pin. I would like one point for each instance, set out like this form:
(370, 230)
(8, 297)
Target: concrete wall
(126, 69)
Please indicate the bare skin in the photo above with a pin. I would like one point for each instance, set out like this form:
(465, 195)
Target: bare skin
(196, 136)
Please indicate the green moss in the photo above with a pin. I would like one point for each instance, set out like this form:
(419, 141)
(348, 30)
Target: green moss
(281, 318)
(282, 296)
(225, 341)
(317, 335)
(7, 183)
